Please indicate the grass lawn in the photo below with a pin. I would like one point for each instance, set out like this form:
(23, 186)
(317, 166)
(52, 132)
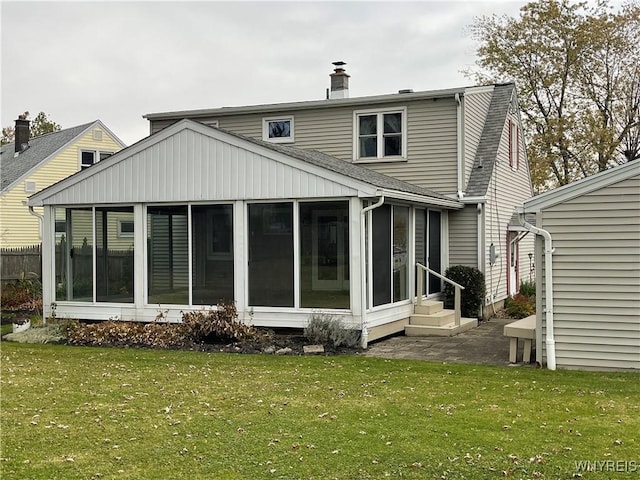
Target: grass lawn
(89, 413)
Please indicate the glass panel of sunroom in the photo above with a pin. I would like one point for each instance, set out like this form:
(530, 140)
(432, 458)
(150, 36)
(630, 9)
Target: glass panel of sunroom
(324, 255)
(400, 253)
(114, 254)
(61, 261)
(381, 252)
(271, 254)
(212, 250)
(77, 248)
(167, 255)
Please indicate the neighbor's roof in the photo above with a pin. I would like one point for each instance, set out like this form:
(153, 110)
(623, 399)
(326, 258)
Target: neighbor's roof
(487, 152)
(41, 148)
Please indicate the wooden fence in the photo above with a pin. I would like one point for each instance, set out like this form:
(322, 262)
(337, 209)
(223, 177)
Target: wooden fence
(20, 262)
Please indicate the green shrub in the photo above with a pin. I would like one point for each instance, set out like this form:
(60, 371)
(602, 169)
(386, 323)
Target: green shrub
(472, 280)
(326, 329)
(528, 289)
(520, 306)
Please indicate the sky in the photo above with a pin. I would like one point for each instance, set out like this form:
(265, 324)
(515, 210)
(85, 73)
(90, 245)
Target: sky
(117, 61)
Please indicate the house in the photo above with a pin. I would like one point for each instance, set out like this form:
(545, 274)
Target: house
(29, 165)
(295, 208)
(588, 245)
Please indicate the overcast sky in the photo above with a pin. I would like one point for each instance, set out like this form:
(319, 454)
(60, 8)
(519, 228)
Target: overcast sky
(116, 61)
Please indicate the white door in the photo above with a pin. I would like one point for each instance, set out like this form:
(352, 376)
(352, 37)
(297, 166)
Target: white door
(513, 263)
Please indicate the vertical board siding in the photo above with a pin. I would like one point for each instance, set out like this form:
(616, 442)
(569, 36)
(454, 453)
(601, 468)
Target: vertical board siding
(189, 166)
(17, 226)
(463, 237)
(431, 137)
(476, 107)
(508, 188)
(596, 277)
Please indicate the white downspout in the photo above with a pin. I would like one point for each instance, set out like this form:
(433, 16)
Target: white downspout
(40, 220)
(548, 282)
(365, 272)
(460, 145)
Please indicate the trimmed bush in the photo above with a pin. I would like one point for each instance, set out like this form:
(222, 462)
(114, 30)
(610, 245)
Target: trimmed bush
(472, 280)
(329, 330)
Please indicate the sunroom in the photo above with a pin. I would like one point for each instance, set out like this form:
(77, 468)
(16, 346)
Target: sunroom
(193, 216)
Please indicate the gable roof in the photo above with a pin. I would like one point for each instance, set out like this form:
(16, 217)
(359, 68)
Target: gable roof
(40, 149)
(247, 158)
(487, 151)
(582, 187)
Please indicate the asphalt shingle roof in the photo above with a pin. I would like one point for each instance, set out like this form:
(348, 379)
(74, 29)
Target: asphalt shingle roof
(342, 167)
(487, 152)
(40, 148)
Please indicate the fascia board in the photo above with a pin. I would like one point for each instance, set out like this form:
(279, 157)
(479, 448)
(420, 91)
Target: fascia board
(415, 198)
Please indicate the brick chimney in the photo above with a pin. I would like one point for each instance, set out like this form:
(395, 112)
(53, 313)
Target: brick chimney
(22, 133)
(339, 82)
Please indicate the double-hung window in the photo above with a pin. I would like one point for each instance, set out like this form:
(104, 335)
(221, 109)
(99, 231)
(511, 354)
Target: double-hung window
(380, 135)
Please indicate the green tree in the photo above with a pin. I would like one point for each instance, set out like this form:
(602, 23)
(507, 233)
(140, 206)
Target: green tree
(577, 70)
(39, 126)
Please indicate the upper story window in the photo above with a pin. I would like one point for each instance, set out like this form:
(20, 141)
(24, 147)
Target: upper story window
(90, 157)
(278, 129)
(380, 135)
(514, 145)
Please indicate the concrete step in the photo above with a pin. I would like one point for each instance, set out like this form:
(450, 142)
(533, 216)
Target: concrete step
(437, 319)
(428, 307)
(447, 330)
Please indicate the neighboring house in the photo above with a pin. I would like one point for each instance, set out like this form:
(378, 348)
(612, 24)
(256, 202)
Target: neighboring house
(29, 165)
(588, 282)
(293, 208)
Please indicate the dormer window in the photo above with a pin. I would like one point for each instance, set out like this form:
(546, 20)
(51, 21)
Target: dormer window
(380, 135)
(278, 130)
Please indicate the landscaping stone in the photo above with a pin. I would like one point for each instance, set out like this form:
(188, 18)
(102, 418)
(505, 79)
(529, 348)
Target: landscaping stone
(284, 351)
(309, 349)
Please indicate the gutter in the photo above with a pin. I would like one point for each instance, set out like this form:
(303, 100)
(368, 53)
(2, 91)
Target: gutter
(548, 273)
(366, 268)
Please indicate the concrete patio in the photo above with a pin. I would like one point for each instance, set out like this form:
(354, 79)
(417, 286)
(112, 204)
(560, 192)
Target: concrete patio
(484, 345)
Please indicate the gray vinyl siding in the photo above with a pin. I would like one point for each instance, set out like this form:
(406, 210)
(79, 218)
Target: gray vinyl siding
(476, 107)
(463, 236)
(596, 277)
(508, 189)
(431, 137)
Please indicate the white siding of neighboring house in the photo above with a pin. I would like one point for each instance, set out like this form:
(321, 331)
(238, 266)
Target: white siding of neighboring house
(476, 107)
(508, 188)
(431, 137)
(596, 277)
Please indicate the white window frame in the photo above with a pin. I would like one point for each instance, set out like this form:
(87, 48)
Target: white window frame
(97, 156)
(125, 234)
(380, 112)
(265, 129)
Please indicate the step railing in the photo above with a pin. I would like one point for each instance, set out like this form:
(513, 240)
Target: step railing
(457, 294)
